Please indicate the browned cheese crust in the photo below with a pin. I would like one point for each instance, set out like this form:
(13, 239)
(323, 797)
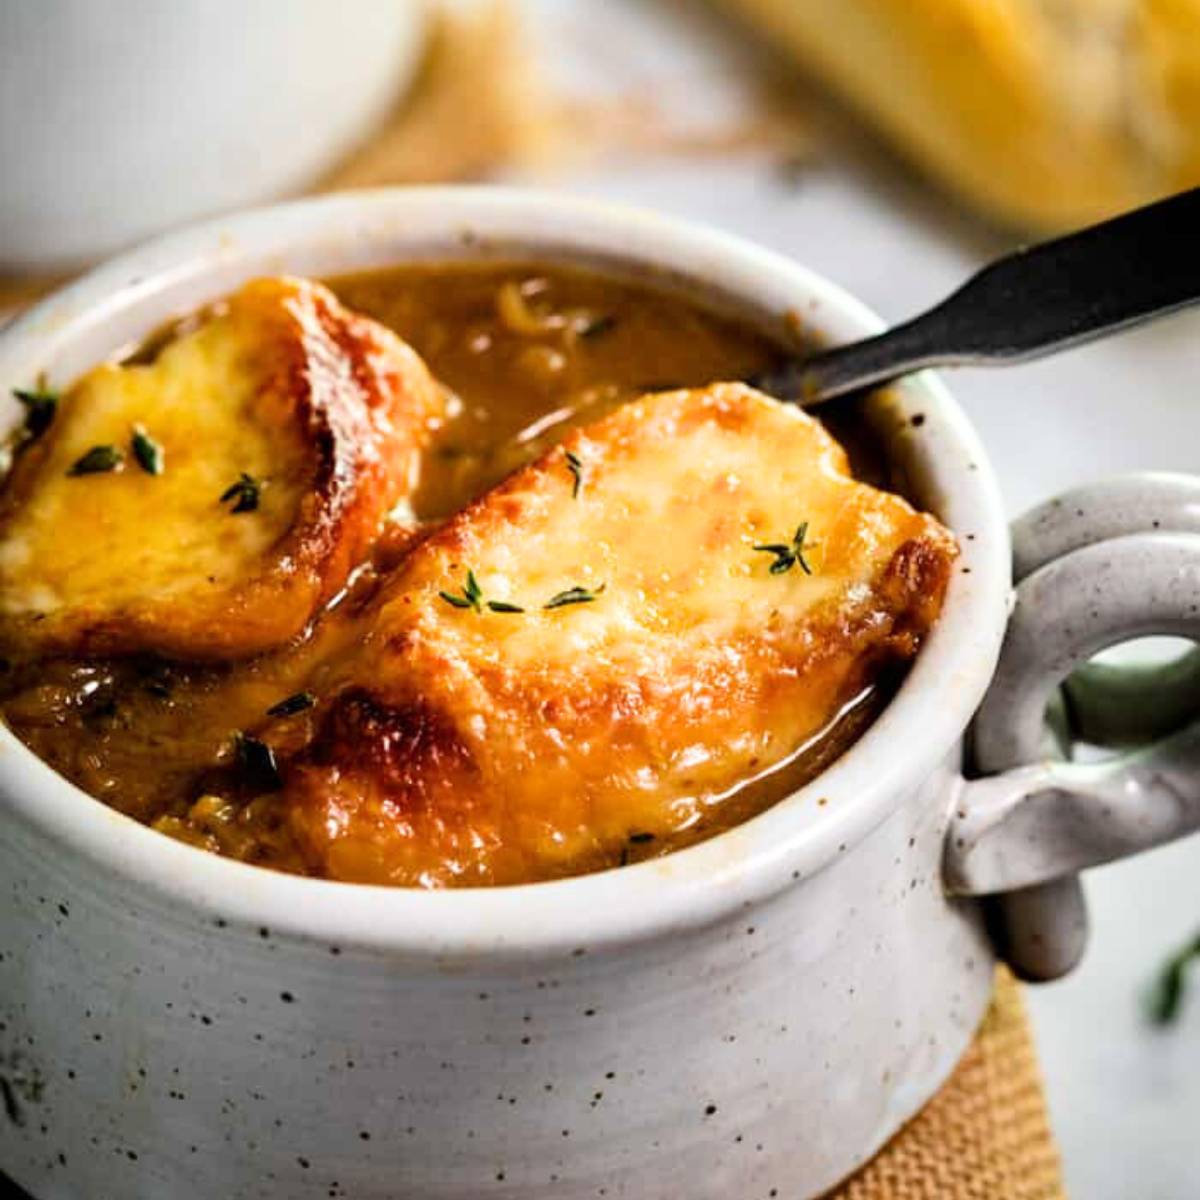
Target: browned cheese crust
(323, 411)
(458, 744)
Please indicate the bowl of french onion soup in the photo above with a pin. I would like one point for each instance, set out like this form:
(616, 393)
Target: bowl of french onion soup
(460, 738)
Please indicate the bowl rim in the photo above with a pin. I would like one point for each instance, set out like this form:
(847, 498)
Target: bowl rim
(688, 889)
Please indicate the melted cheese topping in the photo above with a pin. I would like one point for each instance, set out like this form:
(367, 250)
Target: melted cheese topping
(325, 409)
(465, 745)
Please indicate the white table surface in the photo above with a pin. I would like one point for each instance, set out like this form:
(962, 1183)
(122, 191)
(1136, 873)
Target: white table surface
(1125, 1098)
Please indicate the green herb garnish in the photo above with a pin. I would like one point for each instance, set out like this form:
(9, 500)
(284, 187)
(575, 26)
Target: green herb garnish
(575, 466)
(290, 705)
(786, 557)
(1165, 998)
(245, 493)
(473, 592)
(574, 595)
(40, 410)
(147, 451)
(256, 763)
(97, 461)
(471, 596)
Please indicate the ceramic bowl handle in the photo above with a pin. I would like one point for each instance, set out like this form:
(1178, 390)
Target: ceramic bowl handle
(1095, 567)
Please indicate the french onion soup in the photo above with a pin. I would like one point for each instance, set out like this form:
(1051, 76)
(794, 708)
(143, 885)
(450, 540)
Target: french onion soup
(447, 575)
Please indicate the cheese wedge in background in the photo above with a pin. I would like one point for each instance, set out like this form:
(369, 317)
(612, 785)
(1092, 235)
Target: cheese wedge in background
(1046, 114)
(207, 503)
(600, 648)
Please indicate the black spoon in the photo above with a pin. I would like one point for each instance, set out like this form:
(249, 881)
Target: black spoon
(1029, 304)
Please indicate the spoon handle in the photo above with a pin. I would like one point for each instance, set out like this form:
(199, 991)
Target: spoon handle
(1033, 302)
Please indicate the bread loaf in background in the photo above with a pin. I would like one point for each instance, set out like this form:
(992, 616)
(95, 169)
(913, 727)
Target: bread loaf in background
(1044, 114)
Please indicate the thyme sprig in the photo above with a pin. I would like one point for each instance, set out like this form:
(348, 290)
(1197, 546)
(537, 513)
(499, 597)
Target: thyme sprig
(256, 762)
(41, 406)
(97, 461)
(146, 450)
(472, 597)
(788, 556)
(1165, 998)
(575, 466)
(290, 705)
(245, 492)
(574, 595)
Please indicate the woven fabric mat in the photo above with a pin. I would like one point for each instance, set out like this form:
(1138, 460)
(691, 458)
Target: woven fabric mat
(985, 1135)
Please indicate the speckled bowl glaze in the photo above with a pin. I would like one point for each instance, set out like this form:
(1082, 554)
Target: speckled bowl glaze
(751, 1017)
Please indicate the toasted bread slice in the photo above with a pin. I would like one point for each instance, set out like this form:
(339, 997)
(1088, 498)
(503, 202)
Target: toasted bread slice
(659, 654)
(240, 476)
(1045, 114)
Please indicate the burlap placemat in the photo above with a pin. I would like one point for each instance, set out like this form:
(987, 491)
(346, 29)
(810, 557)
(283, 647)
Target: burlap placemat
(985, 1135)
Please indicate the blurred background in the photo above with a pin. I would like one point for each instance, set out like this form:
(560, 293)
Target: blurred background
(892, 145)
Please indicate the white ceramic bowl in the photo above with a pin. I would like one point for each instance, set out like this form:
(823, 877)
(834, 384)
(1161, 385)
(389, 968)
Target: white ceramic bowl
(760, 1011)
(122, 118)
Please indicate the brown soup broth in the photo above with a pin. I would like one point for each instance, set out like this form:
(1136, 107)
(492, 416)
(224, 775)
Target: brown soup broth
(526, 351)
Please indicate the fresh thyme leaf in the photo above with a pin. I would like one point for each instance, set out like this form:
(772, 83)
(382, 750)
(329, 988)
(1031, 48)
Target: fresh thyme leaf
(473, 592)
(600, 325)
(472, 597)
(257, 764)
(244, 492)
(1165, 998)
(40, 410)
(97, 461)
(785, 560)
(787, 556)
(290, 705)
(147, 451)
(798, 547)
(575, 466)
(574, 595)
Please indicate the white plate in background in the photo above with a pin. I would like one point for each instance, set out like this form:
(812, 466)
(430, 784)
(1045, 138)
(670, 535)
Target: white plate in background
(120, 118)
